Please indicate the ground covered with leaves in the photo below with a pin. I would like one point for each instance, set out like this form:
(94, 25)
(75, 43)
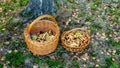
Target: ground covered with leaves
(102, 17)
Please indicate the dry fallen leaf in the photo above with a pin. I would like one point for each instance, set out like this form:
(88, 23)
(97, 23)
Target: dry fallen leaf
(0, 9)
(85, 57)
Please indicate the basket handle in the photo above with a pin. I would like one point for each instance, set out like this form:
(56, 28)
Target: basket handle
(41, 17)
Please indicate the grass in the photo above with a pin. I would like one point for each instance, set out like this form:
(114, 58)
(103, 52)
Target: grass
(10, 8)
(95, 27)
(15, 58)
(1, 27)
(93, 30)
(110, 63)
(1, 66)
(108, 31)
(115, 13)
(38, 61)
(75, 64)
(1, 44)
(113, 42)
(71, 1)
(93, 7)
(55, 63)
(118, 52)
(94, 54)
(96, 2)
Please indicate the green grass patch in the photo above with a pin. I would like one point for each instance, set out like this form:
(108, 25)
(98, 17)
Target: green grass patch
(93, 30)
(93, 7)
(15, 58)
(115, 13)
(90, 18)
(1, 66)
(95, 27)
(118, 52)
(81, 14)
(23, 3)
(1, 27)
(94, 54)
(96, 2)
(58, 4)
(1, 44)
(110, 63)
(108, 31)
(11, 26)
(75, 64)
(55, 63)
(113, 42)
(71, 1)
(38, 61)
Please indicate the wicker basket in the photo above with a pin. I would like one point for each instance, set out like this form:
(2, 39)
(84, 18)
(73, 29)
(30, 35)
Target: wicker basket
(75, 49)
(38, 48)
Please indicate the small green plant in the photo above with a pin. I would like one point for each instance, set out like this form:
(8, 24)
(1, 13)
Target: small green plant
(15, 58)
(110, 63)
(55, 63)
(75, 64)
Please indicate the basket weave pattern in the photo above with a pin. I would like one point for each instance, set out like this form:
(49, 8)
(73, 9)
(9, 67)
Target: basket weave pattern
(75, 49)
(38, 48)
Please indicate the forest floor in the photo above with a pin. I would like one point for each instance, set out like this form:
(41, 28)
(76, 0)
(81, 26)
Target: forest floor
(102, 17)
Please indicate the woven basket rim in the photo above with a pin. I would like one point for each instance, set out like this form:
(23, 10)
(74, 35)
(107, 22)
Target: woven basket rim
(73, 30)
